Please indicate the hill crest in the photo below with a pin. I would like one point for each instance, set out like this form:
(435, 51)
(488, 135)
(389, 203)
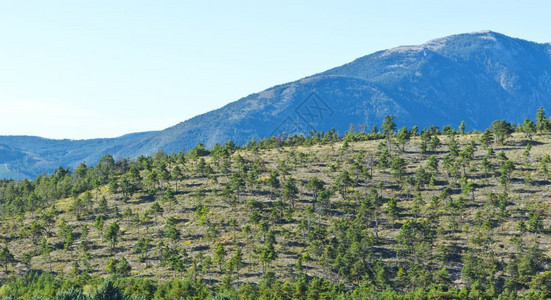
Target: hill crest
(476, 77)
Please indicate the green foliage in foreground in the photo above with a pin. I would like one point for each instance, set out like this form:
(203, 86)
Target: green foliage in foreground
(42, 286)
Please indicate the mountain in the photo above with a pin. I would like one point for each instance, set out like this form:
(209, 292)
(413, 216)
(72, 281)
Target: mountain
(476, 77)
(28, 156)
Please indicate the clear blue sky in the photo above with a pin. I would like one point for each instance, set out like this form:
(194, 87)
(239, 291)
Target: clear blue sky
(83, 69)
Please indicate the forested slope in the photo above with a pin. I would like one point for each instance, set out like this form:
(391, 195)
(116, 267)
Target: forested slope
(437, 213)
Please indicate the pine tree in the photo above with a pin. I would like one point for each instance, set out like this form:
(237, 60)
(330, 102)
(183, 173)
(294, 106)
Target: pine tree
(219, 255)
(540, 119)
(123, 267)
(112, 234)
(462, 127)
(107, 291)
(290, 190)
(273, 183)
(6, 257)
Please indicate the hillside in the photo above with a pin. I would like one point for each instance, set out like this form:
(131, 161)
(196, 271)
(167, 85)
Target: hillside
(437, 214)
(28, 156)
(477, 77)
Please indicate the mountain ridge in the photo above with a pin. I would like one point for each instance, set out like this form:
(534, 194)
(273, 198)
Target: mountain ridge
(476, 77)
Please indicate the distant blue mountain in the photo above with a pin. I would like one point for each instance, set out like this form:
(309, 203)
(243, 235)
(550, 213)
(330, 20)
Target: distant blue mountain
(476, 77)
(28, 156)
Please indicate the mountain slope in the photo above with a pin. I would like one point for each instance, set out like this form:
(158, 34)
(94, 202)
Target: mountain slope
(476, 77)
(28, 156)
(466, 220)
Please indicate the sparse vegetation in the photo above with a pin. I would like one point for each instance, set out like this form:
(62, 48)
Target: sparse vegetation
(430, 214)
